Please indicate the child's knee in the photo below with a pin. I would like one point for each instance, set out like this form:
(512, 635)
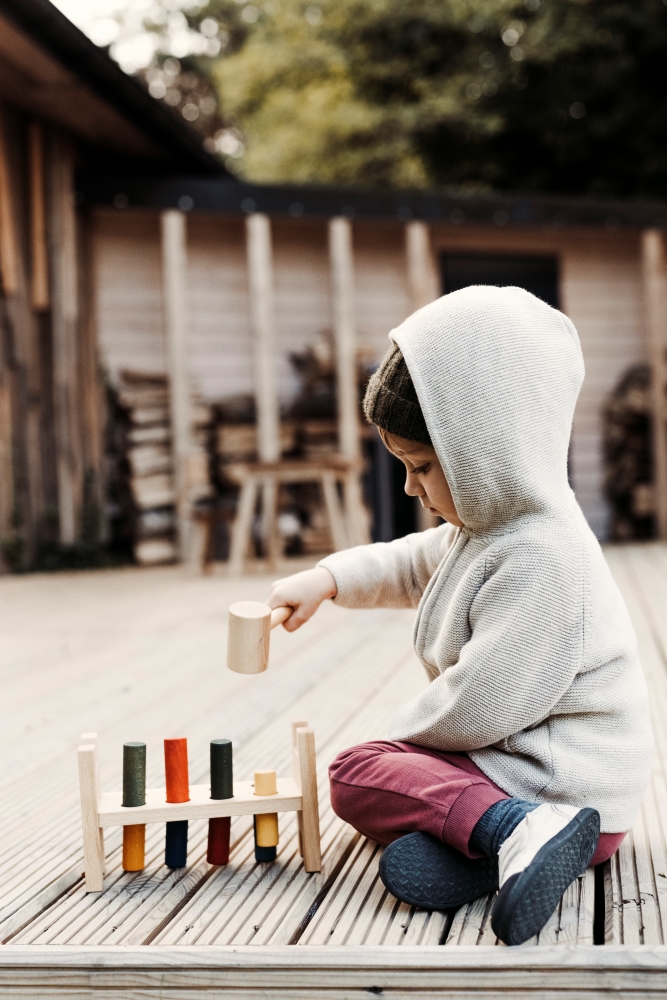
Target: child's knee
(346, 777)
(349, 766)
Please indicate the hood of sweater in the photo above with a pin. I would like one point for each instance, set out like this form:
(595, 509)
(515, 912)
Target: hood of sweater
(497, 373)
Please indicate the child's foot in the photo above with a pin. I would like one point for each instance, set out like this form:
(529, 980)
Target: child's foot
(424, 872)
(549, 848)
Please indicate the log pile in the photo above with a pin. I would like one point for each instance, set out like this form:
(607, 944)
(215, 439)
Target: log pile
(144, 400)
(628, 458)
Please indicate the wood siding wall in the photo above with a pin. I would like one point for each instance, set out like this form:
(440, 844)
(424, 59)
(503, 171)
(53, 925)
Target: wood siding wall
(600, 289)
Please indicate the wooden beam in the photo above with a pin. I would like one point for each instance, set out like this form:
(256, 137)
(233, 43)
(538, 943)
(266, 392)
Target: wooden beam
(174, 279)
(65, 298)
(345, 341)
(39, 258)
(262, 319)
(654, 268)
(423, 282)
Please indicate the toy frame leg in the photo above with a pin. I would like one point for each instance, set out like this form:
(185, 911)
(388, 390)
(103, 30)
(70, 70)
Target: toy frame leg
(305, 775)
(93, 834)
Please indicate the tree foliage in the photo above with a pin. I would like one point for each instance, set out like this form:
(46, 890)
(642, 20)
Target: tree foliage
(550, 95)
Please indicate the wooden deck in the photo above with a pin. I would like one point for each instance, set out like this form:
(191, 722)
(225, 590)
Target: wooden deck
(140, 654)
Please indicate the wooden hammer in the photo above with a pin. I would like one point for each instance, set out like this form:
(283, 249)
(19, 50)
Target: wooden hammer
(250, 624)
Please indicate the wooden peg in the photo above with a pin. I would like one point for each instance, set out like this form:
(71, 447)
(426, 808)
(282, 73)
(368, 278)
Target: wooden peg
(178, 790)
(134, 847)
(93, 842)
(222, 787)
(266, 824)
(310, 817)
(134, 794)
(250, 624)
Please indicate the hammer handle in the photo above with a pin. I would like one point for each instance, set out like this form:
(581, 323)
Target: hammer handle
(280, 615)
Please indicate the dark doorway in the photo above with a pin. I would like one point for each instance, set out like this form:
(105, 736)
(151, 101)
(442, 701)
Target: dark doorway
(538, 275)
(394, 512)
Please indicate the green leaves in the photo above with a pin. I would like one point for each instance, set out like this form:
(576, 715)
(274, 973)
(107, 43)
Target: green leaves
(556, 95)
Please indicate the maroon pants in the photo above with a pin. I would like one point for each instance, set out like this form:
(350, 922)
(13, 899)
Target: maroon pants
(385, 789)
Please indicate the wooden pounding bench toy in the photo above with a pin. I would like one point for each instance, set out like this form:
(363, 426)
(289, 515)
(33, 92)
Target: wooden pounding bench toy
(180, 802)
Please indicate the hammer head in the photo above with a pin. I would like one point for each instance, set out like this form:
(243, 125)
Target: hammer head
(248, 637)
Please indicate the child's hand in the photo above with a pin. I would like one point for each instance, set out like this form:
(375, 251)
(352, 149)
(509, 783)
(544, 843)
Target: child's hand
(304, 592)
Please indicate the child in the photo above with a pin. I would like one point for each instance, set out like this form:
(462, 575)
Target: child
(533, 733)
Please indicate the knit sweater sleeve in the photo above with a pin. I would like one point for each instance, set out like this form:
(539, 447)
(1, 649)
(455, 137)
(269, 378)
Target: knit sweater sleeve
(525, 646)
(389, 574)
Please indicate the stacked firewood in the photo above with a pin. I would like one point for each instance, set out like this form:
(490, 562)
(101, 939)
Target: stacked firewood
(144, 399)
(627, 456)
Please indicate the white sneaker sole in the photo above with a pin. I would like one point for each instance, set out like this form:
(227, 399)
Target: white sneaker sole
(528, 898)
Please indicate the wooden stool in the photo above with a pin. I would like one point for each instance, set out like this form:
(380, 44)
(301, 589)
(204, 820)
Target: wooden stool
(347, 527)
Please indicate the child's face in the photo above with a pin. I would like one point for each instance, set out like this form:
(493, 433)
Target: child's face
(425, 478)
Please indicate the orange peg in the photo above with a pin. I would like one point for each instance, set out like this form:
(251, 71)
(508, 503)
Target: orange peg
(134, 840)
(176, 770)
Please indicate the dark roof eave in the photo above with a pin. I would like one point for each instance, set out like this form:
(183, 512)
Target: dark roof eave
(46, 25)
(501, 210)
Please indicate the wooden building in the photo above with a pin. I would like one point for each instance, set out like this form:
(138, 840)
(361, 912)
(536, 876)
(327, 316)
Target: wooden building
(602, 263)
(126, 248)
(64, 106)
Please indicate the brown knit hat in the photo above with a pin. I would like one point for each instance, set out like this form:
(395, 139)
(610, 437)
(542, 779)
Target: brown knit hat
(391, 401)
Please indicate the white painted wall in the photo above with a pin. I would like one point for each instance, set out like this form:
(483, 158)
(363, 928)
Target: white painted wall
(600, 291)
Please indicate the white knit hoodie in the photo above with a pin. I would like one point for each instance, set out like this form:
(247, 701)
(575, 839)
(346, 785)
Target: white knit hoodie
(521, 629)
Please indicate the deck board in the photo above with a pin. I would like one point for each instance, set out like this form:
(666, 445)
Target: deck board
(140, 654)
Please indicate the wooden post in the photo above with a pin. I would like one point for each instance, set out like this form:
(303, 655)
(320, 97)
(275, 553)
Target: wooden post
(345, 337)
(39, 257)
(93, 836)
(423, 287)
(92, 400)
(260, 281)
(9, 250)
(21, 377)
(174, 280)
(422, 275)
(654, 267)
(9, 279)
(262, 320)
(310, 817)
(345, 333)
(64, 288)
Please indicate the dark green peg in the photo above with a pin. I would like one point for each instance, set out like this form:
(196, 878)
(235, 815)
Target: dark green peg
(134, 774)
(222, 777)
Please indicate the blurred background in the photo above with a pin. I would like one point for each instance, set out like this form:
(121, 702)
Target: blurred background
(211, 215)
